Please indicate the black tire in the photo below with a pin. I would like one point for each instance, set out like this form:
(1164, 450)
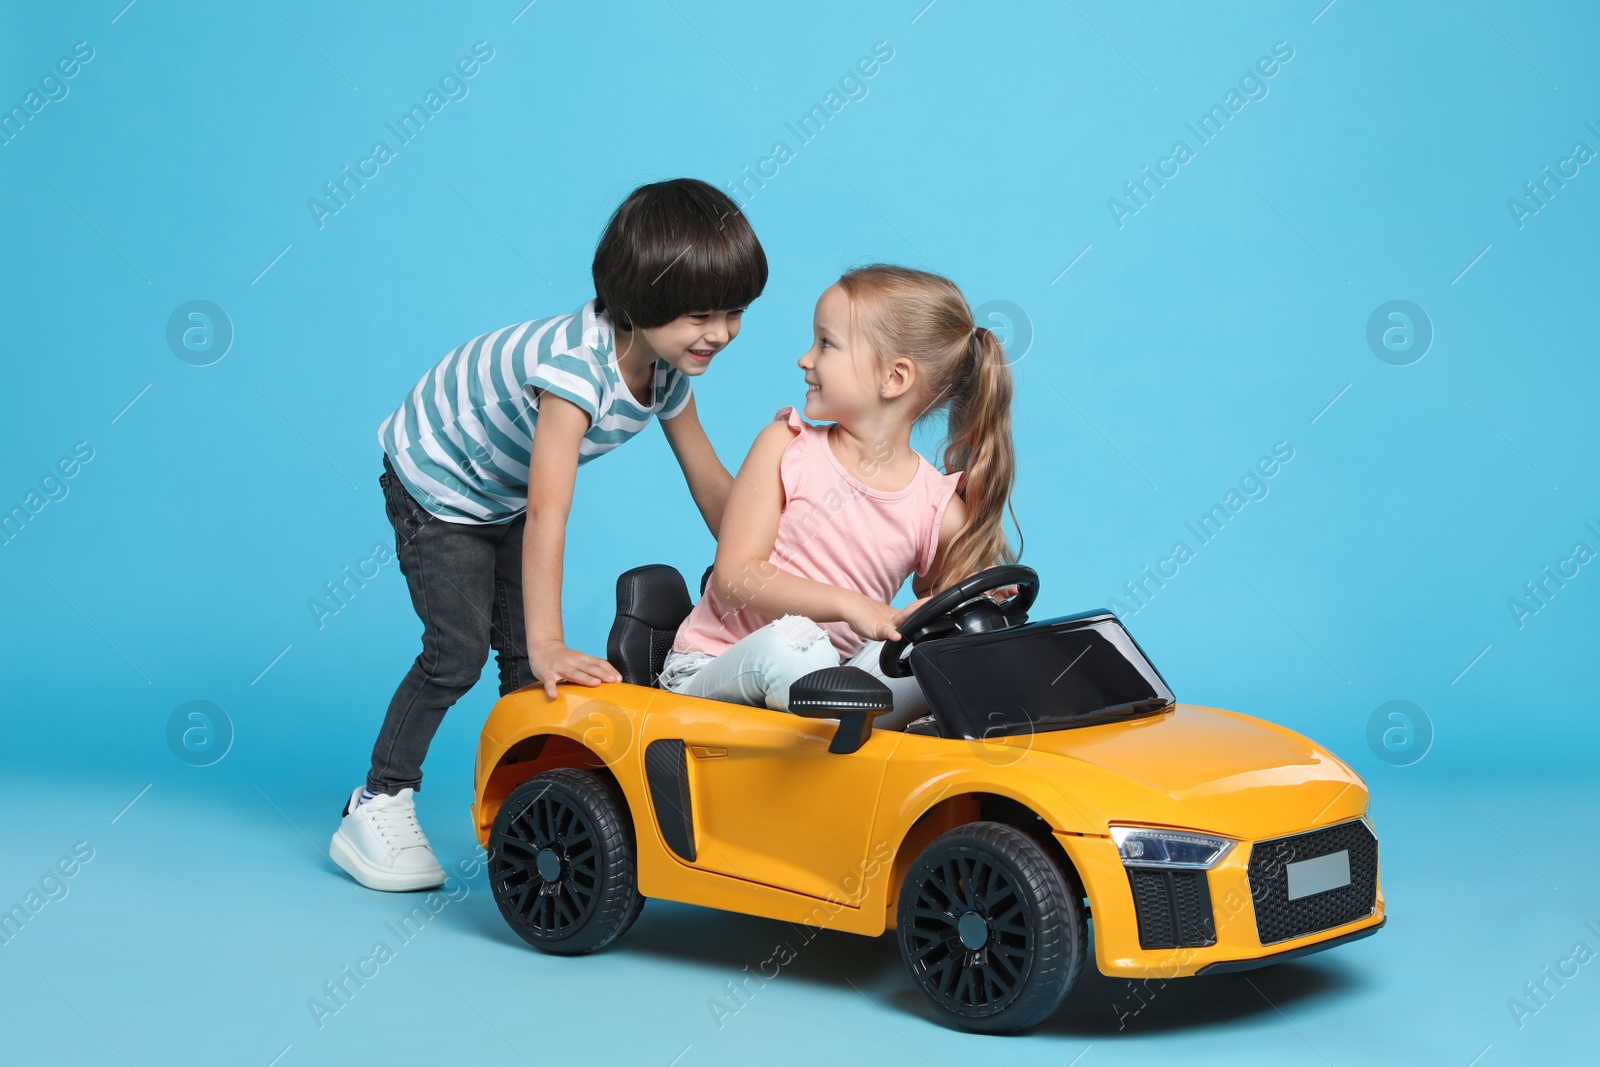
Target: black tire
(562, 865)
(1012, 965)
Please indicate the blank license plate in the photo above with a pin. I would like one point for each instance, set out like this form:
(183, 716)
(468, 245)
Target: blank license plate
(1319, 875)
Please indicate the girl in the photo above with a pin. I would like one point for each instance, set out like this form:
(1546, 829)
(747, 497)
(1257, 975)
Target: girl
(479, 464)
(825, 523)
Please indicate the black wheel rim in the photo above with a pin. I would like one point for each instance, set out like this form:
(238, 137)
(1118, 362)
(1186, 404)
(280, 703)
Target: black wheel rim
(549, 830)
(969, 939)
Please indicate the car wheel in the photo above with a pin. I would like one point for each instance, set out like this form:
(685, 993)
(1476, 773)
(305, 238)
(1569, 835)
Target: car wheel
(562, 865)
(990, 929)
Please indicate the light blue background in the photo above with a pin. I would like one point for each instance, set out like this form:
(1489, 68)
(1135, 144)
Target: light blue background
(1224, 317)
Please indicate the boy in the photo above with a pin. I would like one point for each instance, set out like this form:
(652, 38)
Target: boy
(479, 464)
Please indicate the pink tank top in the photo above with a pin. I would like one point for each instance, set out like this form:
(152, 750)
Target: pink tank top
(834, 530)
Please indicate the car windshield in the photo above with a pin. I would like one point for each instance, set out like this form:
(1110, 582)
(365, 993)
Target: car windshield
(1044, 676)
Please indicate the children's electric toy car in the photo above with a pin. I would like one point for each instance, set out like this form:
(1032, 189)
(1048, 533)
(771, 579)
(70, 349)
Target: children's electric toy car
(1055, 780)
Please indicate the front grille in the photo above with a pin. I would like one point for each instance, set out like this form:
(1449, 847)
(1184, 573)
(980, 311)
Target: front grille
(1277, 917)
(1173, 907)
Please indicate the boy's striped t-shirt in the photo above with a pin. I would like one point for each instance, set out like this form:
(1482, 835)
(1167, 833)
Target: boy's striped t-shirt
(462, 439)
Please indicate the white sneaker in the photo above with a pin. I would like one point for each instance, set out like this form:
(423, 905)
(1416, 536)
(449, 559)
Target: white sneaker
(380, 845)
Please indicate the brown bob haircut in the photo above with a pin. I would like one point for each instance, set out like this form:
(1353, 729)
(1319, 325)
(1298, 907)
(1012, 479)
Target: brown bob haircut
(674, 247)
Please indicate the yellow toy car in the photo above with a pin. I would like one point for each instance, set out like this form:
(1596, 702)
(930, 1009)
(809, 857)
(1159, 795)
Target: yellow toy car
(1055, 781)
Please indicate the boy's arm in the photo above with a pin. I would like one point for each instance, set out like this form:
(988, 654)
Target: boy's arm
(709, 481)
(744, 575)
(552, 473)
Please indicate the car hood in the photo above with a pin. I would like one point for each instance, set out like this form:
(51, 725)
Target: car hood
(1202, 768)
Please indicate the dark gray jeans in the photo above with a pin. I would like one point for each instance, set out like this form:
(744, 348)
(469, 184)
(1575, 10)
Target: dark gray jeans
(466, 584)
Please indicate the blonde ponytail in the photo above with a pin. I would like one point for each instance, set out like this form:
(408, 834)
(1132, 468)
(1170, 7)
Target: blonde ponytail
(979, 443)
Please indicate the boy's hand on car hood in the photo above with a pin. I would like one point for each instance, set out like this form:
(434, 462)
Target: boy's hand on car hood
(553, 661)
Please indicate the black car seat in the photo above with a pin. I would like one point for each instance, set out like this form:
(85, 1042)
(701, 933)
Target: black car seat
(652, 602)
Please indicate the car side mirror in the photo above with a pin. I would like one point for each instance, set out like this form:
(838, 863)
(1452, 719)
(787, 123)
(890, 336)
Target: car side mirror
(848, 694)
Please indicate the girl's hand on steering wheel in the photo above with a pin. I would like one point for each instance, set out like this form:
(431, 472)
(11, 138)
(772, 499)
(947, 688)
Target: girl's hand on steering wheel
(905, 613)
(873, 621)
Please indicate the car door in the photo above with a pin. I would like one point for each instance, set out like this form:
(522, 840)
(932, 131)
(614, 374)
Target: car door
(755, 794)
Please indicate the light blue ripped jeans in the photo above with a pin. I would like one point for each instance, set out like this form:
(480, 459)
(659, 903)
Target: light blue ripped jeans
(758, 670)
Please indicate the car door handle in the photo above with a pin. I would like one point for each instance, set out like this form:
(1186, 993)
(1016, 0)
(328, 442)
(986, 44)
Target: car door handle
(707, 752)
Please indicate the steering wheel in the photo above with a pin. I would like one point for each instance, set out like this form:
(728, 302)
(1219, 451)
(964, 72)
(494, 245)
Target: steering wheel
(963, 608)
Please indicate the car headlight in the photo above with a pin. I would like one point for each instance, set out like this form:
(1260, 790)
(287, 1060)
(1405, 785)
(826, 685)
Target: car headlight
(1147, 846)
